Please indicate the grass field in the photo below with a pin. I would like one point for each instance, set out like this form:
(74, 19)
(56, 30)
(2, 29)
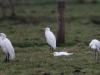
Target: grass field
(32, 57)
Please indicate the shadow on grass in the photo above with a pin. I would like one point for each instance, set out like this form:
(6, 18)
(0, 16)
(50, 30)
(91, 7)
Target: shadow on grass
(95, 20)
(28, 44)
(68, 43)
(26, 19)
(18, 19)
(74, 42)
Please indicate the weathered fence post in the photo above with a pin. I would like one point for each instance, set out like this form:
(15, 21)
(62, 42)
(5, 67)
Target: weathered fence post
(61, 23)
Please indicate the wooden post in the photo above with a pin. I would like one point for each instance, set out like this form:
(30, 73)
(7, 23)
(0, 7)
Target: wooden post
(61, 23)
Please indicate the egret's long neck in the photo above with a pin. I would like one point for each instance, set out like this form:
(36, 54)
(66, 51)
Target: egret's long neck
(47, 31)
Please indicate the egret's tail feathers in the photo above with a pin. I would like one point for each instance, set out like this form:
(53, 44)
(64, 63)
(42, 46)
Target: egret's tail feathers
(12, 56)
(54, 46)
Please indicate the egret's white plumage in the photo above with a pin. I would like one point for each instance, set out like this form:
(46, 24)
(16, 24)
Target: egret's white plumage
(7, 47)
(95, 45)
(50, 38)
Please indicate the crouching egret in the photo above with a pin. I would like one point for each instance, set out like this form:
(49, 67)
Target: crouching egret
(50, 38)
(7, 47)
(95, 45)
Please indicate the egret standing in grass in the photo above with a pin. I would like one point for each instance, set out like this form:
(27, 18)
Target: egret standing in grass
(7, 47)
(50, 38)
(95, 45)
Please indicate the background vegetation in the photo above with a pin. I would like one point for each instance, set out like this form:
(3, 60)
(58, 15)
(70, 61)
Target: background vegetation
(32, 51)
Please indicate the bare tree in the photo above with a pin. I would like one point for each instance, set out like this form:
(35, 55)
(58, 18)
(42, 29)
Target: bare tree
(61, 23)
(12, 8)
(13, 13)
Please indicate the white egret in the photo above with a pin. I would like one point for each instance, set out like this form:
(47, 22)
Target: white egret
(50, 38)
(7, 47)
(95, 45)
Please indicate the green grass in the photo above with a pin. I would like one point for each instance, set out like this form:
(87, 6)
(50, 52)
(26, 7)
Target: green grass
(32, 51)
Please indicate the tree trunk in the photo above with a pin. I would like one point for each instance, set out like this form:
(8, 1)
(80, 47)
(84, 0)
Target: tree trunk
(3, 8)
(12, 8)
(61, 23)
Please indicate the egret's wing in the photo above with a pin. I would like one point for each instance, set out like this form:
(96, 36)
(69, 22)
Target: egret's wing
(2, 46)
(9, 48)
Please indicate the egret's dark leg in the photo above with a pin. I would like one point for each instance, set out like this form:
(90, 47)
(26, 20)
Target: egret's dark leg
(98, 55)
(7, 58)
(95, 54)
(52, 49)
